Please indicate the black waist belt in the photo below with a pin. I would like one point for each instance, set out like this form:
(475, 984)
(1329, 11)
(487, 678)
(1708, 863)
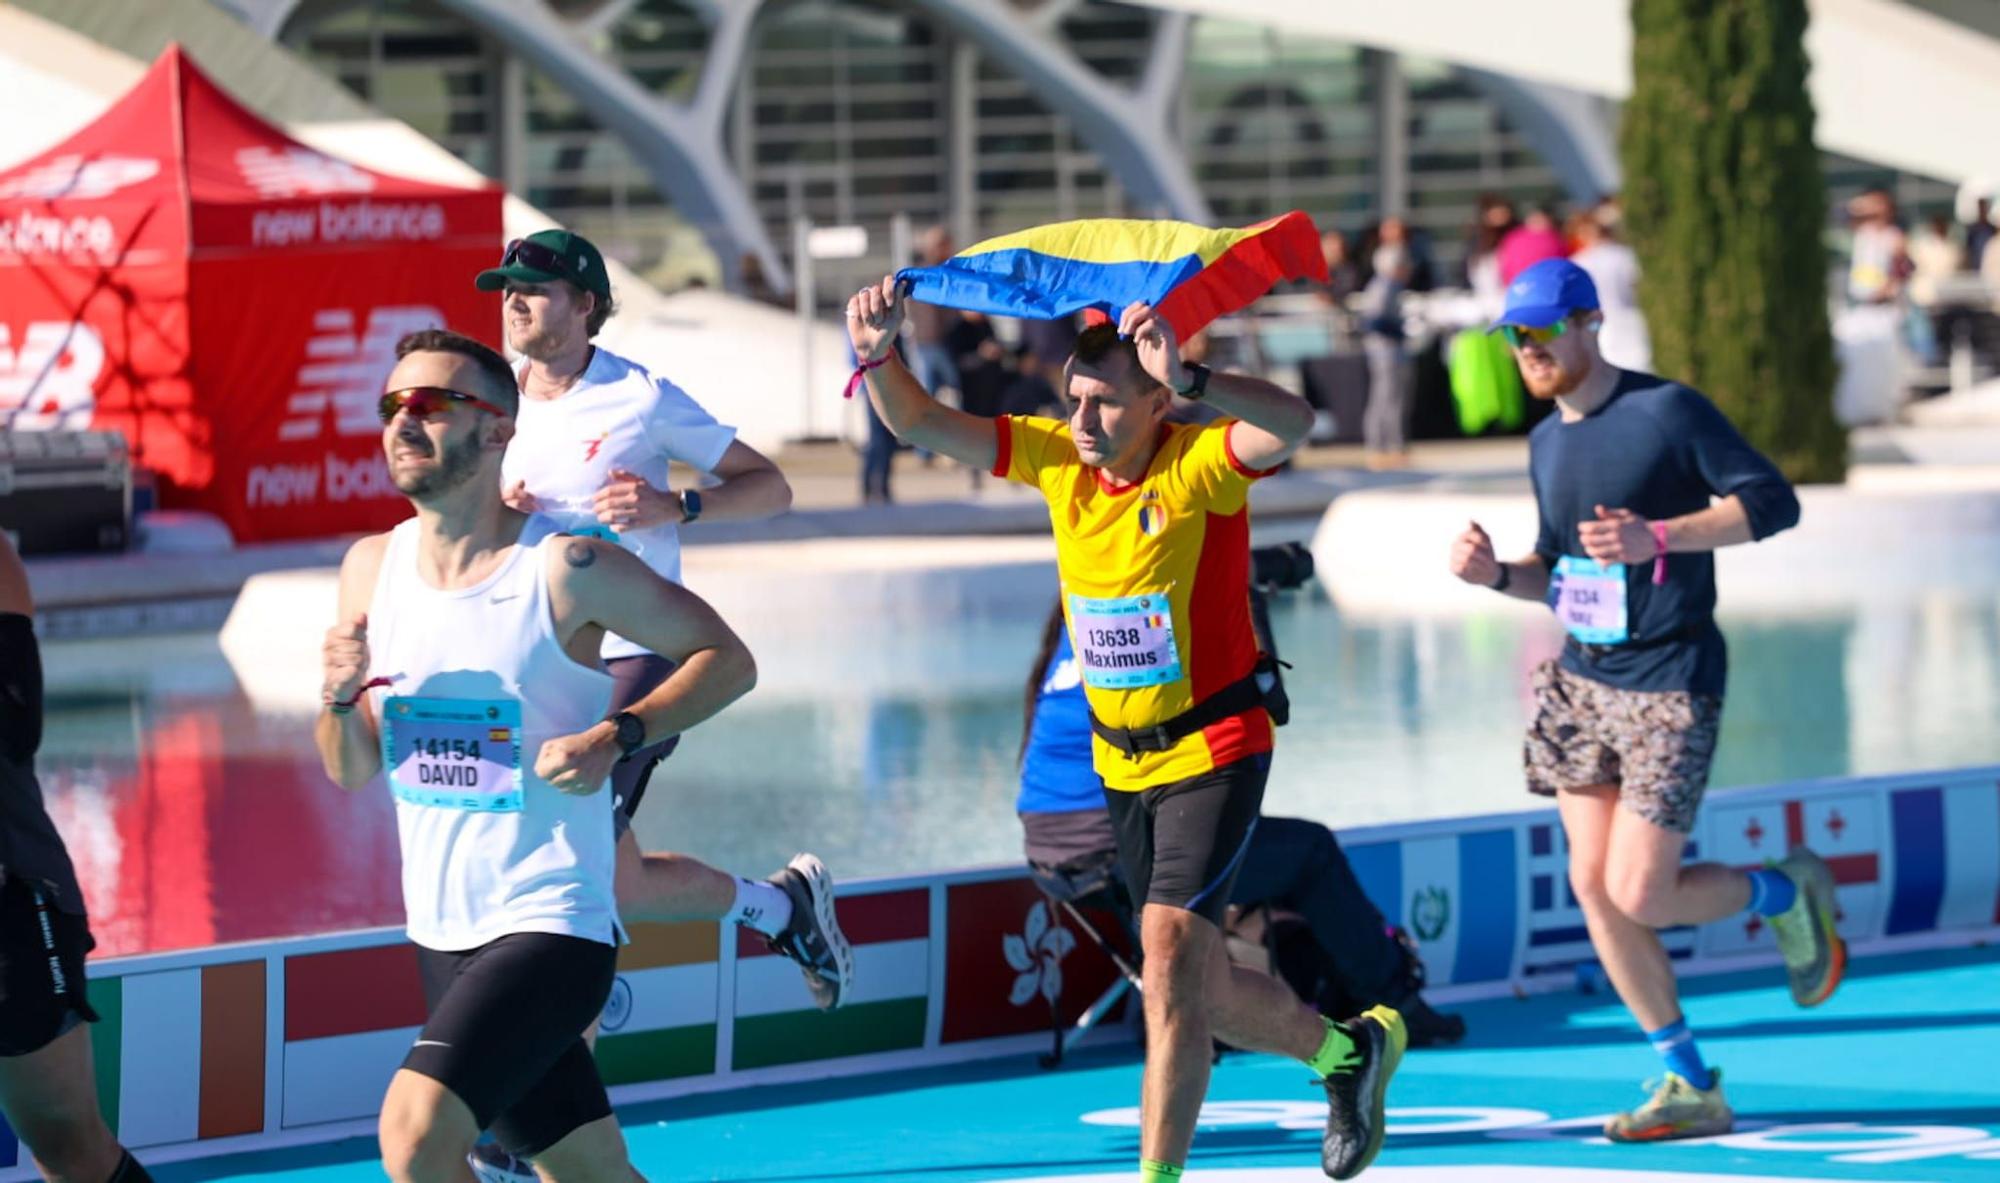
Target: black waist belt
(1233, 699)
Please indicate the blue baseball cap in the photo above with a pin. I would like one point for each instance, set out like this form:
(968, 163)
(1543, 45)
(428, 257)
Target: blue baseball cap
(1545, 293)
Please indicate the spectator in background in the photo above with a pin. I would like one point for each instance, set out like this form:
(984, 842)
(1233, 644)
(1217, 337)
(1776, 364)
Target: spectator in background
(1343, 273)
(930, 326)
(1878, 261)
(1624, 340)
(1935, 255)
(1482, 254)
(1527, 244)
(1978, 232)
(1385, 426)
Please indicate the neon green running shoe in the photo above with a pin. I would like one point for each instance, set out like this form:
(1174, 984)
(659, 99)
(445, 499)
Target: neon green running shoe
(1815, 956)
(1676, 1109)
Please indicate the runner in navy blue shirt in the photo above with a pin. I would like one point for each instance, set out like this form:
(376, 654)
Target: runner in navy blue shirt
(1638, 480)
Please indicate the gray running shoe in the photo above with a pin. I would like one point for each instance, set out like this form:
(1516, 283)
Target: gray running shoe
(813, 937)
(1676, 1109)
(1815, 956)
(491, 1164)
(1354, 1093)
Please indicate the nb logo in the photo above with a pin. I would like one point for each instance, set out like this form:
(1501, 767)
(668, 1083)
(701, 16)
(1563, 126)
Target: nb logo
(48, 381)
(343, 370)
(75, 178)
(299, 172)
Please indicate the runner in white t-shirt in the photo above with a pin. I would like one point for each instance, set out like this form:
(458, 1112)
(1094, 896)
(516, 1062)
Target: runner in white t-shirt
(465, 671)
(596, 435)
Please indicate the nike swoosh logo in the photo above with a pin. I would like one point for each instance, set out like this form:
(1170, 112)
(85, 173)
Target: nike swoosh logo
(504, 599)
(429, 1043)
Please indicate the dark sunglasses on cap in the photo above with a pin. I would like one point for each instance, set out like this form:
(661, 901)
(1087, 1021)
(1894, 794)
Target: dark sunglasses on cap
(538, 257)
(424, 401)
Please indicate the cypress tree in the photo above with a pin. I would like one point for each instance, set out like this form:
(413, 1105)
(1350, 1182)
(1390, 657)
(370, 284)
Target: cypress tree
(1726, 206)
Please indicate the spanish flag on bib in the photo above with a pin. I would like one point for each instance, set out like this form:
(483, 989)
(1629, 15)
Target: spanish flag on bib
(1190, 273)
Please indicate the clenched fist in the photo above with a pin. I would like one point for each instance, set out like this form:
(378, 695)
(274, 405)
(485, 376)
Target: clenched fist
(344, 661)
(1472, 557)
(578, 764)
(874, 317)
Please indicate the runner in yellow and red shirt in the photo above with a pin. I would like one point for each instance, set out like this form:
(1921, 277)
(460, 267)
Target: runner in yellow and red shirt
(1152, 529)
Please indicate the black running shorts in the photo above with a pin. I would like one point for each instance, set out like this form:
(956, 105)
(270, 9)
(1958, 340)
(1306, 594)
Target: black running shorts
(42, 949)
(633, 678)
(506, 1034)
(1181, 843)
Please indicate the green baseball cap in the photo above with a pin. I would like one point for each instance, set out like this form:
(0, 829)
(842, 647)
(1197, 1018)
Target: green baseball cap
(546, 256)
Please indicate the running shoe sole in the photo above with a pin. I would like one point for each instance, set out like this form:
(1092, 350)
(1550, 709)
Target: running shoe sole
(819, 889)
(1374, 1083)
(1816, 881)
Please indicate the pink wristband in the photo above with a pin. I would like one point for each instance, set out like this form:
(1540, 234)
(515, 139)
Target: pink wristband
(854, 379)
(1660, 555)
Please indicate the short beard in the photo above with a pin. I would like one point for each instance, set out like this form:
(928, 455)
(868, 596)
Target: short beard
(1565, 381)
(458, 463)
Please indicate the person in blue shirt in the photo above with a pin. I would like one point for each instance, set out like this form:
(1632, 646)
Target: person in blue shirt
(1292, 865)
(1638, 481)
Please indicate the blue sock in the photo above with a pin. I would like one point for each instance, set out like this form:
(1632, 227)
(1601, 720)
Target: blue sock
(1675, 1043)
(1771, 891)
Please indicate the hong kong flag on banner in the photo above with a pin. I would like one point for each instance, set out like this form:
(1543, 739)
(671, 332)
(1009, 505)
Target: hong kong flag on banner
(1010, 952)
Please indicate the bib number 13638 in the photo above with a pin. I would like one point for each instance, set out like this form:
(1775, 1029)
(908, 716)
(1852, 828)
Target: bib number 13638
(1125, 642)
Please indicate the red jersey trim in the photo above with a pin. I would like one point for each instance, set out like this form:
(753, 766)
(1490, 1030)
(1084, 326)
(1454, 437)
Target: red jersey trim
(1003, 451)
(1229, 449)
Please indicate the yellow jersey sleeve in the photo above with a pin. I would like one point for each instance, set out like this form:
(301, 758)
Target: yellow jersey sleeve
(1031, 448)
(1211, 473)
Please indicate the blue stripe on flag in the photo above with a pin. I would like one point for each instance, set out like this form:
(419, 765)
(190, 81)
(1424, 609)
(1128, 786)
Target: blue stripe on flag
(1918, 818)
(10, 1146)
(1023, 282)
(1379, 867)
(1486, 917)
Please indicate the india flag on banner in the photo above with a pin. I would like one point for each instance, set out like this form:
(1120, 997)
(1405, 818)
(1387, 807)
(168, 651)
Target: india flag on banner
(776, 1021)
(180, 1053)
(350, 1017)
(659, 1022)
(1456, 893)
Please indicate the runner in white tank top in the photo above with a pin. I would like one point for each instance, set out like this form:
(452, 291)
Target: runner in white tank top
(465, 670)
(597, 433)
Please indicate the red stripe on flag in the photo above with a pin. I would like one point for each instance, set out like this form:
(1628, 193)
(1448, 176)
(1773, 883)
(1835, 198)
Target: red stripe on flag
(1285, 247)
(1795, 824)
(1848, 869)
(231, 1090)
(866, 919)
(352, 991)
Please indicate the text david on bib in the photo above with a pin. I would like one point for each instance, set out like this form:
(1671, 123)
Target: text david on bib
(454, 753)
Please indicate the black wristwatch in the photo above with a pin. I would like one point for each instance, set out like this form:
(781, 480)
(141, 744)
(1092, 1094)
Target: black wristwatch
(631, 733)
(1197, 381)
(690, 505)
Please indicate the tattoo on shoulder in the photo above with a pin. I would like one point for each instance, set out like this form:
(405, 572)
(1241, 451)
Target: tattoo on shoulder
(579, 553)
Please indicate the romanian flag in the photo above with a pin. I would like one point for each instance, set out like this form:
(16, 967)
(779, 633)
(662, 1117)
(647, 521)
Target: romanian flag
(1190, 273)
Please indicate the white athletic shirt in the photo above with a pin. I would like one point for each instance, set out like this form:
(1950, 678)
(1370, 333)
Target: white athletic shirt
(482, 666)
(616, 416)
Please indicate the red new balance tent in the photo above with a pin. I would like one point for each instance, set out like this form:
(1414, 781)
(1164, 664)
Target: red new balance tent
(187, 274)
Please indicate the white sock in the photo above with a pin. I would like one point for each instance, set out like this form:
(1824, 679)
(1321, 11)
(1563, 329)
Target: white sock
(761, 906)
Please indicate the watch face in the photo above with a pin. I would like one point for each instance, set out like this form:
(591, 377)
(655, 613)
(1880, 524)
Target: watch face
(631, 732)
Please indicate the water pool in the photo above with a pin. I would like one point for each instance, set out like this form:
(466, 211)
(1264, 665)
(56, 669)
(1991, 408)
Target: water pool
(199, 816)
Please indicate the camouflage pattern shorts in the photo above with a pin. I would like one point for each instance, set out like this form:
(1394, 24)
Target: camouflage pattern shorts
(1655, 745)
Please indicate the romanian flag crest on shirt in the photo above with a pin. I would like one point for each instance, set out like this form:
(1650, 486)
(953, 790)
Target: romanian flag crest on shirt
(1190, 274)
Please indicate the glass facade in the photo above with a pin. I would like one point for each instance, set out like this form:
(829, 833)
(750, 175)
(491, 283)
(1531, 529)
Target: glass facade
(853, 111)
